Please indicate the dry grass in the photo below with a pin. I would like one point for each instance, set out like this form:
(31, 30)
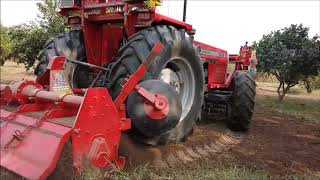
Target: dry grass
(222, 170)
(12, 71)
(213, 170)
(297, 101)
(296, 92)
(306, 110)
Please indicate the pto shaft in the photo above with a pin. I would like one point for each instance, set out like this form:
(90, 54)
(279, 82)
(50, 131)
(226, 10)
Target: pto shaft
(25, 91)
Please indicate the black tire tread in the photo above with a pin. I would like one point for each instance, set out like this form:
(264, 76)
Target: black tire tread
(130, 58)
(62, 44)
(243, 101)
(130, 53)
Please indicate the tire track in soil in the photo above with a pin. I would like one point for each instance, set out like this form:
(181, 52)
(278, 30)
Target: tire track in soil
(206, 142)
(200, 151)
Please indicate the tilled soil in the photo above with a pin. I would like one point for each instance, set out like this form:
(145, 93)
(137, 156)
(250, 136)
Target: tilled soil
(205, 142)
(280, 144)
(276, 143)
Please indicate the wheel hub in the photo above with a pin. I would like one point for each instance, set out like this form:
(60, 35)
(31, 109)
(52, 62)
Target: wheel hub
(171, 77)
(178, 74)
(159, 109)
(153, 119)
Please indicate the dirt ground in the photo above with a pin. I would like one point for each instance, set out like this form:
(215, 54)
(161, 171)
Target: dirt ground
(280, 145)
(296, 92)
(11, 71)
(276, 143)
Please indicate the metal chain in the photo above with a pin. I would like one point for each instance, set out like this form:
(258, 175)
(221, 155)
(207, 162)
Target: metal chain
(19, 135)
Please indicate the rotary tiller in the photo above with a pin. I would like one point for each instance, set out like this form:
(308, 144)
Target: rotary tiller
(38, 118)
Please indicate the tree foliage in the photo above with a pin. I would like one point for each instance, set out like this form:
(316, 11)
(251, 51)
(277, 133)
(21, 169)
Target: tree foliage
(27, 40)
(48, 18)
(290, 55)
(311, 83)
(6, 44)
(313, 48)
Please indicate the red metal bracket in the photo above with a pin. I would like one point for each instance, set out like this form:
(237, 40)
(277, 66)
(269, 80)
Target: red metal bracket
(97, 131)
(156, 106)
(136, 77)
(56, 63)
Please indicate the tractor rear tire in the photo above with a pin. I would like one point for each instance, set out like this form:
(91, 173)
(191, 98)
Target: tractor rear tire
(71, 45)
(242, 101)
(177, 57)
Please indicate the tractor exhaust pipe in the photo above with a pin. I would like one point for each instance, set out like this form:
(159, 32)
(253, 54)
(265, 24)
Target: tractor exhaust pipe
(184, 10)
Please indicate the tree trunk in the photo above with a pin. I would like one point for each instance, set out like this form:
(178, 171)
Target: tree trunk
(1, 62)
(307, 85)
(280, 94)
(282, 90)
(281, 97)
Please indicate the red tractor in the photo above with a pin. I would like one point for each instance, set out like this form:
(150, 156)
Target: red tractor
(121, 67)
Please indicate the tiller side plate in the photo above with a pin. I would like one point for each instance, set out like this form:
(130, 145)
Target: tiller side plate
(34, 154)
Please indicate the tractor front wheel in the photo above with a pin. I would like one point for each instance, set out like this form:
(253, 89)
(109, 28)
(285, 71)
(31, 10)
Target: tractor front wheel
(242, 102)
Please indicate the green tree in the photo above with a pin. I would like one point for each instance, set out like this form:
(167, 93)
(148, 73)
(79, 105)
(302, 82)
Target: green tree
(6, 44)
(289, 55)
(312, 49)
(28, 39)
(48, 19)
(311, 83)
